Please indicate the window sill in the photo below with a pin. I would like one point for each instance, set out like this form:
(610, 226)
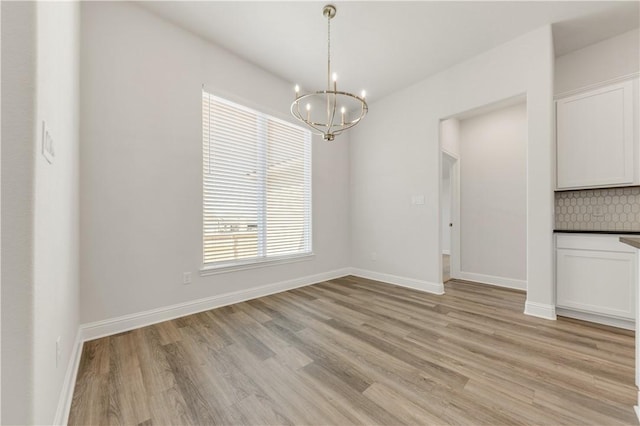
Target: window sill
(253, 264)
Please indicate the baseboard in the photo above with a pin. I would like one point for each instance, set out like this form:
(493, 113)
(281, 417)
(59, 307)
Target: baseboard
(112, 326)
(493, 280)
(426, 286)
(540, 310)
(447, 252)
(68, 385)
(627, 324)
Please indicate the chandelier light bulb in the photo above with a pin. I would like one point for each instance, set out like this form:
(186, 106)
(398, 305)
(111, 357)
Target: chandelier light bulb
(335, 77)
(364, 94)
(297, 89)
(308, 107)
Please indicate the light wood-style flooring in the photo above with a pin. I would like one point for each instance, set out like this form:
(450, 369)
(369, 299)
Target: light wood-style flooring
(355, 351)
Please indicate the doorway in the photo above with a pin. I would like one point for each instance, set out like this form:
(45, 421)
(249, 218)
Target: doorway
(446, 214)
(487, 196)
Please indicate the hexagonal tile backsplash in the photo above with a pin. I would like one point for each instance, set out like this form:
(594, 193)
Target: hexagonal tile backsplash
(613, 209)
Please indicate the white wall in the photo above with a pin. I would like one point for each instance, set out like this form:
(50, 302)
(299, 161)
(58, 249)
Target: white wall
(40, 208)
(18, 148)
(615, 57)
(56, 224)
(141, 163)
(493, 197)
(391, 162)
(450, 136)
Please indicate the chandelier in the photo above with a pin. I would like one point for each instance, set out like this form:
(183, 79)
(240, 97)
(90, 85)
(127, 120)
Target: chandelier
(329, 112)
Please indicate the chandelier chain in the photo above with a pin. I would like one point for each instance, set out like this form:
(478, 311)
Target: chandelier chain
(328, 51)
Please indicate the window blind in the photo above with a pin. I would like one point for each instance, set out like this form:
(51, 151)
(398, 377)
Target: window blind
(256, 185)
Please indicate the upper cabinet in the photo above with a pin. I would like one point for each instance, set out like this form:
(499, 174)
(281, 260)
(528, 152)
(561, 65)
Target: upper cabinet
(596, 138)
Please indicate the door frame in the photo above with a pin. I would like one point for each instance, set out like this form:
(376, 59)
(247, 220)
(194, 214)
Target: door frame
(454, 243)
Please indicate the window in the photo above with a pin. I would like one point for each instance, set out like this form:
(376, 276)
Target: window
(256, 185)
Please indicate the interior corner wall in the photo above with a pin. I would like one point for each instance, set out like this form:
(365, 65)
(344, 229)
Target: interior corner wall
(609, 59)
(56, 204)
(396, 154)
(39, 206)
(18, 130)
(493, 197)
(141, 165)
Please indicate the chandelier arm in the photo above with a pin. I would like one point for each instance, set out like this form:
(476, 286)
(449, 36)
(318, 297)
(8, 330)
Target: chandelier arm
(311, 124)
(307, 122)
(333, 113)
(297, 112)
(348, 126)
(332, 92)
(328, 94)
(352, 123)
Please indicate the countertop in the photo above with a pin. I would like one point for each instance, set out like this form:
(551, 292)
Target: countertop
(563, 231)
(632, 241)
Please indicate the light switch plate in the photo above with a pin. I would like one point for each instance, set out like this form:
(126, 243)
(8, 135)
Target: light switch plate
(417, 199)
(48, 151)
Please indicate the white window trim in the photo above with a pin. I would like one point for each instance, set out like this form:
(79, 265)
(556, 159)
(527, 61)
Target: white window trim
(223, 268)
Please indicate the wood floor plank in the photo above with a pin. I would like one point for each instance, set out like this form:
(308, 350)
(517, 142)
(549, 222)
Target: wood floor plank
(225, 394)
(258, 411)
(168, 332)
(156, 372)
(240, 335)
(272, 387)
(199, 395)
(407, 411)
(357, 399)
(338, 392)
(89, 397)
(358, 351)
(324, 356)
(169, 408)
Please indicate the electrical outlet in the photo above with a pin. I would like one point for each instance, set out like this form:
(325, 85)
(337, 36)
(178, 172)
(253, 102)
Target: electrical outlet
(58, 350)
(186, 278)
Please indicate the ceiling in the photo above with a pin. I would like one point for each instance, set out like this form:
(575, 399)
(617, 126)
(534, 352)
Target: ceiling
(383, 46)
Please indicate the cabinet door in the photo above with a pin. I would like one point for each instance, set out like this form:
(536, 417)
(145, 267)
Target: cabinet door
(594, 281)
(595, 145)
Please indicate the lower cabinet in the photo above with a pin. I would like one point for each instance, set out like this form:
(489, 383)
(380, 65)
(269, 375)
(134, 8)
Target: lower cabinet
(596, 278)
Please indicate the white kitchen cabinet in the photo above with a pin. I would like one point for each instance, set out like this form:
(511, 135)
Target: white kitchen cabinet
(596, 138)
(596, 278)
